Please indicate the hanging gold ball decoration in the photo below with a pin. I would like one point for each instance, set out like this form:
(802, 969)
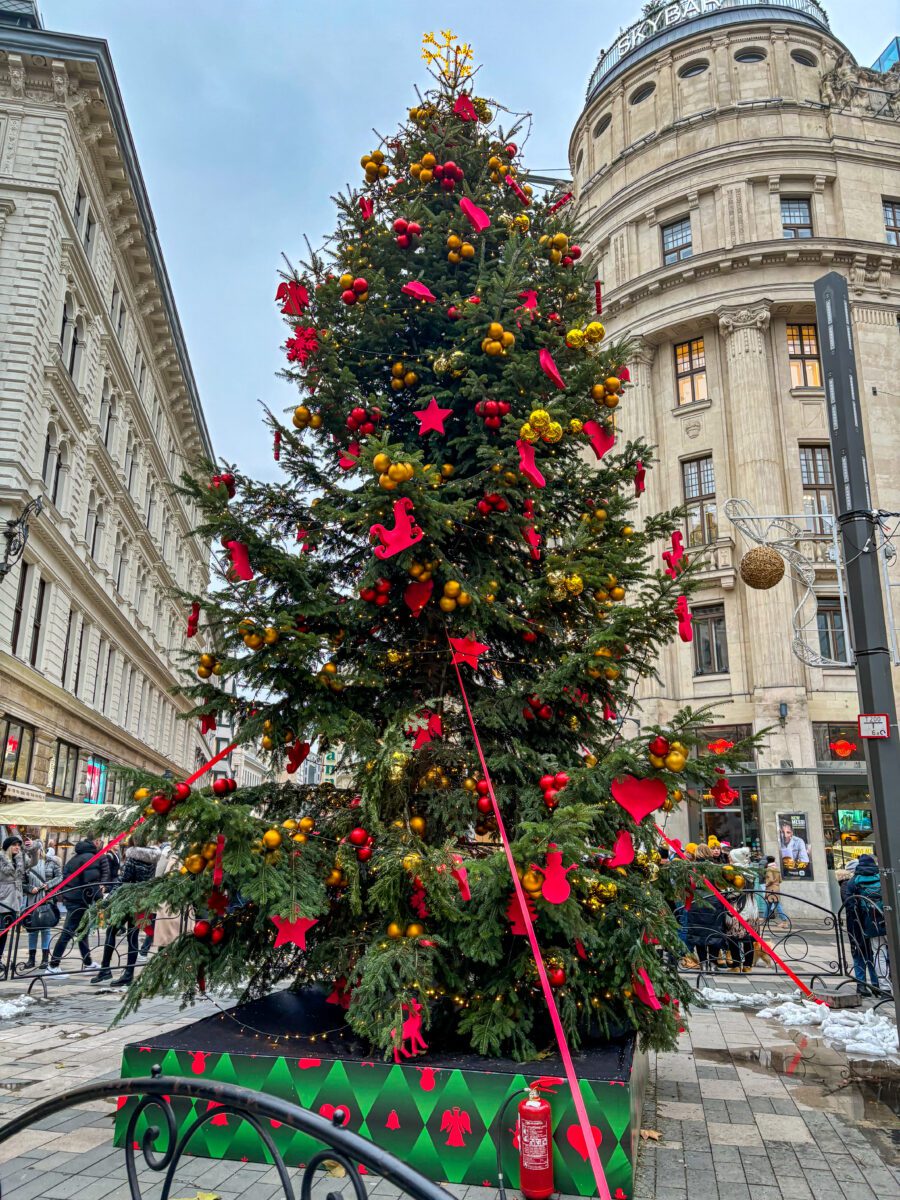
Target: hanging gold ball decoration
(762, 567)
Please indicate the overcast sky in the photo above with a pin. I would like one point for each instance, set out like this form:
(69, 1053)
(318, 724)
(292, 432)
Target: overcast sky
(248, 115)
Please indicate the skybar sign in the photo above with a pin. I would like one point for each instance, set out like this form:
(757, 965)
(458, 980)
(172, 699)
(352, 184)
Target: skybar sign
(667, 15)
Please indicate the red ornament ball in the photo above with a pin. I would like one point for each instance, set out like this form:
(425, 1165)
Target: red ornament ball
(182, 791)
(218, 935)
(161, 804)
(482, 788)
(560, 779)
(202, 930)
(546, 781)
(484, 805)
(358, 836)
(364, 853)
(220, 787)
(659, 746)
(556, 976)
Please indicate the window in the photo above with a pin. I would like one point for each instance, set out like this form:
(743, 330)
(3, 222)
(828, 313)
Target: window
(818, 488)
(690, 371)
(79, 660)
(65, 770)
(96, 771)
(19, 608)
(644, 92)
(84, 220)
(80, 206)
(837, 743)
(752, 54)
(892, 221)
(16, 746)
(107, 417)
(115, 303)
(110, 671)
(37, 623)
(699, 484)
(139, 370)
(151, 506)
(70, 625)
(676, 240)
(830, 627)
(71, 338)
(121, 321)
(119, 563)
(697, 67)
(710, 645)
(129, 461)
(804, 59)
(127, 693)
(603, 124)
(796, 218)
(97, 534)
(803, 352)
(98, 669)
(53, 469)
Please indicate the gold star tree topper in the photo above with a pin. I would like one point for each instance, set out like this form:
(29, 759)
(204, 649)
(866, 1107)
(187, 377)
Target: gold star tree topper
(450, 57)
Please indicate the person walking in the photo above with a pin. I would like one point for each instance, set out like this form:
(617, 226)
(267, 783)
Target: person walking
(139, 866)
(79, 895)
(40, 878)
(12, 879)
(773, 893)
(864, 906)
(741, 944)
(706, 930)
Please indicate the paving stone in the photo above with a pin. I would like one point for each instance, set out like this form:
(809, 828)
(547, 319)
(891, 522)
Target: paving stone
(776, 1128)
(722, 1089)
(733, 1135)
(698, 1160)
(759, 1170)
(676, 1111)
(731, 1172)
(857, 1190)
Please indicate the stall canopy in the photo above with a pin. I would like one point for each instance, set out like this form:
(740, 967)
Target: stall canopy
(49, 814)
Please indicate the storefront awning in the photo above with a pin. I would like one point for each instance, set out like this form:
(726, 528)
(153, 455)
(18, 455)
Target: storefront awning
(51, 814)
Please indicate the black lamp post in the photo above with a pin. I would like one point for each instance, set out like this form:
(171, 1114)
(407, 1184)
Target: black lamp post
(16, 535)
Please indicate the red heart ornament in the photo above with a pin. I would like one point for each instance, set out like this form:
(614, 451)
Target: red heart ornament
(639, 797)
(575, 1138)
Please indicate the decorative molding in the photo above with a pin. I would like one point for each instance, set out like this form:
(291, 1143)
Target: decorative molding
(734, 320)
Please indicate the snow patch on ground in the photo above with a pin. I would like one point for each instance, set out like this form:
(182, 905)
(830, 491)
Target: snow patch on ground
(14, 1008)
(743, 999)
(855, 1031)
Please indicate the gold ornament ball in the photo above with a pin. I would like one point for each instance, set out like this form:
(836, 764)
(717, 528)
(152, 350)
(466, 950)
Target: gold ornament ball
(575, 426)
(414, 930)
(574, 585)
(417, 825)
(575, 338)
(271, 839)
(395, 930)
(762, 567)
(595, 332)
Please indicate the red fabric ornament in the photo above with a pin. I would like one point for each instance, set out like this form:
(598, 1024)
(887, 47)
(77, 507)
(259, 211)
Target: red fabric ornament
(240, 560)
(639, 473)
(556, 888)
(304, 343)
(405, 534)
(294, 297)
(276, 446)
(598, 297)
(548, 366)
(624, 374)
(417, 899)
(623, 851)
(514, 184)
(683, 613)
(724, 793)
(340, 994)
(217, 861)
(639, 797)
(431, 419)
(601, 437)
(296, 756)
(527, 464)
(366, 208)
(674, 556)
(418, 291)
(477, 217)
(529, 299)
(464, 108)
(514, 915)
(559, 203)
(193, 619)
(417, 595)
(461, 875)
(207, 723)
(644, 990)
(531, 537)
(347, 459)
(467, 651)
(433, 727)
(411, 1040)
(293, 932)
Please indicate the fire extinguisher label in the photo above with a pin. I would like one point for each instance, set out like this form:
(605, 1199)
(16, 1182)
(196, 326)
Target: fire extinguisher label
(534, 1143)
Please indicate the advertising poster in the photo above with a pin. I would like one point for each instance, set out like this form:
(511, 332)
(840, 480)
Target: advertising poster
(793, 846)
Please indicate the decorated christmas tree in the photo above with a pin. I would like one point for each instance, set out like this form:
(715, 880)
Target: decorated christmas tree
(449, 589)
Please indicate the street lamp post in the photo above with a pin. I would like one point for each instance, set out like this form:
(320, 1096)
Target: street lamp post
(16, 535)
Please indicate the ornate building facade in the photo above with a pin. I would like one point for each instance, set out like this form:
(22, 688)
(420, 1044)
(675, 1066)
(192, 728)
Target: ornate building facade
(729, 153)
(99, 415)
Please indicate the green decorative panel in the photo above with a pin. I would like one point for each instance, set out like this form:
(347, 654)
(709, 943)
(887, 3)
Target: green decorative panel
(438, 1119)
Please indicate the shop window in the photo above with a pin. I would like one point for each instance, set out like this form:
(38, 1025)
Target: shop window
(738, 824)
(796, 217)
(818, 489)
(803, 353)
(892, 221)
(16, 748)
(699, 486)
(690, 372)
(676, 240)
(96, 771)
(65, 770)
(830, 628)
(837, 743)
(715, 739)
(710, 643)
(846, 823)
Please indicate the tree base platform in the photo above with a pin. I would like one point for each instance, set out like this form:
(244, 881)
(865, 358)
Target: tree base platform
(437, 1111)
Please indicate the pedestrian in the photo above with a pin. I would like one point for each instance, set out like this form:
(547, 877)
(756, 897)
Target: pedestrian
(79, 895)
(139, 866)
(40, 878)
(773, 893)
(864, 907)
(12, 879)
(109, 865)
(741, 943)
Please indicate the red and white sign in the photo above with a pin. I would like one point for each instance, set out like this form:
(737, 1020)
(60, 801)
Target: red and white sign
(874, 725)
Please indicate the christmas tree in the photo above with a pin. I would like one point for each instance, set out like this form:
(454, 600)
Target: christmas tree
(454, 526)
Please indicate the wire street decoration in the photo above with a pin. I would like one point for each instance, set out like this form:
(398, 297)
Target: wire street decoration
(786, 534)
(16, 535)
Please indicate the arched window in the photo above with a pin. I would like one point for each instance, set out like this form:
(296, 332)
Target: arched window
(96, 539)
(151, 506)
(71, 338)
(55, 465)
(129, 464)
(61, 470)
(107, 419)
(166, 535)
(120, 563)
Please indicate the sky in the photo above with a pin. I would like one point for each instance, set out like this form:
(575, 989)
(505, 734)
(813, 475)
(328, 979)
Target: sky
(248, 116)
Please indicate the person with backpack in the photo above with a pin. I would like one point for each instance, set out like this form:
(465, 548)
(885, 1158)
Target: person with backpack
(864, 907)
(40, 878)
(79, 895)
(140, 866)
(741, 944)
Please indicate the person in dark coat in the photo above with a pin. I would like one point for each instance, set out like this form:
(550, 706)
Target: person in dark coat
(79, 895)
(39, 879)
(706, 929)
(139, 866)
(12, 877)
(864, 907)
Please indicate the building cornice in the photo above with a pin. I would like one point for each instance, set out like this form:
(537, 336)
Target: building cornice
(95, 52)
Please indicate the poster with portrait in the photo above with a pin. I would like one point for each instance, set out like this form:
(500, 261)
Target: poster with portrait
(795, 859)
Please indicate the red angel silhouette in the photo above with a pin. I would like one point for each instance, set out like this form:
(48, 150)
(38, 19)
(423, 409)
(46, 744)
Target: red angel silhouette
(404, 534)
(411, 1040)
(456, 1124)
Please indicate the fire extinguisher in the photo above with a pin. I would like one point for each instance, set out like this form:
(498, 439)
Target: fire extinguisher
(535, 1147)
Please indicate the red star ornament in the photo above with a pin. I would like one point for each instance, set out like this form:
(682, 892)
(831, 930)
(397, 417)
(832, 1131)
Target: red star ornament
(467, 651)
(293, 933)
(432, 418)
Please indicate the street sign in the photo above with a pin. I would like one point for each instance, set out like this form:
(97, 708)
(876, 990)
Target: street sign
(874, 725)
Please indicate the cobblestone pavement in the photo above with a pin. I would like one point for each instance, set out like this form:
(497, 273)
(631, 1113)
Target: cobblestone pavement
(742, 1110)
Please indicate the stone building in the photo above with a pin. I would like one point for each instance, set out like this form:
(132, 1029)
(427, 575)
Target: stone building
(99, 414)
(729, 153)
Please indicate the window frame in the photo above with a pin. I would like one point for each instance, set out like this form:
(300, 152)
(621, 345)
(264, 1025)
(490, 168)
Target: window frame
(892, 225)
(805, 366)
(818, 453)
(704, 502)
(23, 592)
(792, 230)
(61, 792)
(834, 633)
(17, 775)
(678, 251)
(694, 373)
(712, 615)
(35, 644)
